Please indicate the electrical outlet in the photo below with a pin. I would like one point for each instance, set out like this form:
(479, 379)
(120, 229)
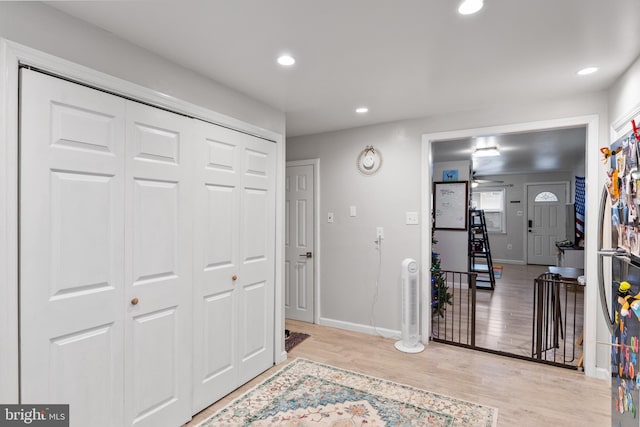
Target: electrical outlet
(412, 218)
(509, 246)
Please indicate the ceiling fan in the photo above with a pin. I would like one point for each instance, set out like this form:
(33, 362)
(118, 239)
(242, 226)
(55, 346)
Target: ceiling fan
(476, 180)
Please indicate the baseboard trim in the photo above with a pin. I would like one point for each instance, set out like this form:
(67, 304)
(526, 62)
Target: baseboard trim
(603, 374)
(509, 261)
(357, 327)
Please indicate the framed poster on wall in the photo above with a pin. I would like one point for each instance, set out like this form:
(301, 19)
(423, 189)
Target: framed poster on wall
(450, 205)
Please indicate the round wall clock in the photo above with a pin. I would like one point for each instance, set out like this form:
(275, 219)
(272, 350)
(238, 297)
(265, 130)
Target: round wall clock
(369, 160)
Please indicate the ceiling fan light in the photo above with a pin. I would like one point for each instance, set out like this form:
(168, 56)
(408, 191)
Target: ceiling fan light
(486, 152)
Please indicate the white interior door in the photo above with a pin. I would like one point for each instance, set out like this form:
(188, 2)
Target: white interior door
(299, 243)
(546, 206)
(158, 269)
(71, 240)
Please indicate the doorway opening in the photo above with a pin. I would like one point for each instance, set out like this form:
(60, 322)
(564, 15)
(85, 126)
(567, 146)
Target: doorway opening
(525, 160)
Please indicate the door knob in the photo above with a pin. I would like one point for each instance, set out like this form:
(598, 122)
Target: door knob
(234, 277)
(135, 301)
(307, 255)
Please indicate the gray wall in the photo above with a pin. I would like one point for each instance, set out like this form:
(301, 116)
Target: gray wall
(44, 28)
(452, 244)
(514, 186)
(349, 260)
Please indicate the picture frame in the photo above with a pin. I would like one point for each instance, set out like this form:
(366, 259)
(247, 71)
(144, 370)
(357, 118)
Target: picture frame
(450, 205)
(450, 175)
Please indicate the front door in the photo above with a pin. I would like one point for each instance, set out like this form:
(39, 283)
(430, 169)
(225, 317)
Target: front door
(299, 242)
(546, 222)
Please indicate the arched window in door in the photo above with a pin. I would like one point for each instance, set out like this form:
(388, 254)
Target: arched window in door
(546, 196)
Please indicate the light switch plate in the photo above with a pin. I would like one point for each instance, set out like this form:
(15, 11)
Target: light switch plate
(329, 216)
(352, 211)
(412, 218)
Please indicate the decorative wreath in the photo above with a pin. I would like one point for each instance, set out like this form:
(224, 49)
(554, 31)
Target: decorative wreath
(369, 160)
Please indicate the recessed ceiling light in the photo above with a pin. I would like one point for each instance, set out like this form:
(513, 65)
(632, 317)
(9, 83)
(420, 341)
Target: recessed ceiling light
(469, 7)
(587, 71)
(362, 110)
(286, 60)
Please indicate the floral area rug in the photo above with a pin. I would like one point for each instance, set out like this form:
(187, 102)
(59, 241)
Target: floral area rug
(307, 393)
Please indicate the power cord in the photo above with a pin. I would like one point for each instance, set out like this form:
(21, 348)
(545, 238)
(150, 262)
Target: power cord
(372, 319)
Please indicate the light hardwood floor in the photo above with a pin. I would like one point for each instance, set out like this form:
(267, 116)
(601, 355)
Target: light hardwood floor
(504, 316)
(525, 393)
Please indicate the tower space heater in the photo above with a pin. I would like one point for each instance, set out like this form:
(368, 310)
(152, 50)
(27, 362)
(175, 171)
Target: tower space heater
(410, 342)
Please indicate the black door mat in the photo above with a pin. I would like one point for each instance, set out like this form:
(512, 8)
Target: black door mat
(293, 339)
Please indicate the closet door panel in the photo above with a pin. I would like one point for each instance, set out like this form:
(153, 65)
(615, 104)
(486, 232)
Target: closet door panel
(216, 245)
(158, 270)
(71, 239)
(156, 233)
(146, 260)
(256, 274)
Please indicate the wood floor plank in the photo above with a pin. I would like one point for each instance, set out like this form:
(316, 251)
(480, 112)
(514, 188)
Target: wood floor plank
(525, 393)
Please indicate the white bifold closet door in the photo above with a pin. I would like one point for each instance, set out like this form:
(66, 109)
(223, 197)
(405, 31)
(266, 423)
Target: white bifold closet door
(234, 247)
(158, 271)
(71, 249)
(105, 256)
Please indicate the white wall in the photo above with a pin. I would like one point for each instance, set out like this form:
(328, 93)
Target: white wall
(44, 28)
(624, 95)
(348, 255)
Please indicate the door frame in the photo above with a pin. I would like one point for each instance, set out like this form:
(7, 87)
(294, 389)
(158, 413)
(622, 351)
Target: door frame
(594, 184)
(316, 230)
(567, 197)
(12, 55)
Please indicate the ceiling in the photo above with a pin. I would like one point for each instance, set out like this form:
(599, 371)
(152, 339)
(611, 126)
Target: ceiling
(402, 59)
(555, 150)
